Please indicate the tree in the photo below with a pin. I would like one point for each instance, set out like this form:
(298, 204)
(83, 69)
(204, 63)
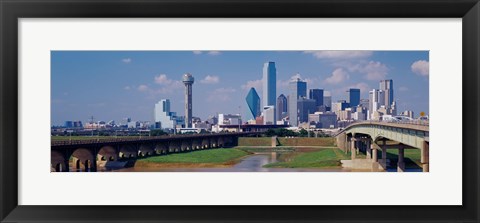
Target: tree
(157, 132)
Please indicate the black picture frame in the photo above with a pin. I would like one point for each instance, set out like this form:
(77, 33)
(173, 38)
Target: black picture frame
(11, 11)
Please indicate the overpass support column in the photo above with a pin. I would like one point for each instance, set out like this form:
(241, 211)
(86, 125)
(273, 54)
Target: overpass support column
(424, 157)
(401, 162)
(368, 149)
(384, 154)
(352, 148)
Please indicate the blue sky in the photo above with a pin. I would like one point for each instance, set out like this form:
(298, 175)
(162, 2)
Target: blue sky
(113, 85)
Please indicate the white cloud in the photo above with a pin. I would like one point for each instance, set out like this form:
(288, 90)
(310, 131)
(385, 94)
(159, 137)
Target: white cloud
(162, 79)
(167, 85)
(221, 94)
(340, 54)
(127, 88)
(421, 67)
(257, 84)
(375, 70)
(210, 79)
(127, 60)
(214, 53)
(197, 52)
(362, 86)
(338, 75)
(143, 88)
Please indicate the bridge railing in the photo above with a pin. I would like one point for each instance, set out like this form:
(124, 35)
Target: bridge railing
(409, 122)
(131, 139)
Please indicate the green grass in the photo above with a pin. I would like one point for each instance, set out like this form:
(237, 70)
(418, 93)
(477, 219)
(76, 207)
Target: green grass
(325, 158)
(202, 156)
(411, 157)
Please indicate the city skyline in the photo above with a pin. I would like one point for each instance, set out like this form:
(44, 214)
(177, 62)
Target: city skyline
(113, 85)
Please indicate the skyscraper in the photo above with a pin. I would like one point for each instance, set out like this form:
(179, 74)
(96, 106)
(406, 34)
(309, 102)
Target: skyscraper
(298, 89)
(188, 81)
(376, 100)
(163, 114)
(317, 95)
(327, 100)
(353, 97)
(282, 107)
(387, 87)
(270, 86)
(253, 102)
(305, 107)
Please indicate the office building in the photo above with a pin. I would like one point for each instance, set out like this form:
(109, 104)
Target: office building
(269, 84)
(353, 97)
(253, 102)
(365, 103)
(188, 82)
(269, 115)
(327, 100)
(376, 100)
(340, 106)
(317, 95)
(298, 89)
(163, 115)
(305, 106)
(387, 87)
(282, 107)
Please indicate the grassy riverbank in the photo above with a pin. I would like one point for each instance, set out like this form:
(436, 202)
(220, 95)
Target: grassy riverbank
(324, 158)
(195, 159)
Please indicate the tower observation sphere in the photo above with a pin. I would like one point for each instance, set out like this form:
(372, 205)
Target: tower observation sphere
(188, 82)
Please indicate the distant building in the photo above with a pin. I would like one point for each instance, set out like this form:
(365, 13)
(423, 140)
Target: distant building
(317, 95)
(408, 113)
(376, 100)
(353, 97)
(345, 114)
(229, 119)
(253, 102)
(269, 115)
(73, 124)
(339, 106)
(305, 107)
(327, 100)
(282, 107)
(270, 86)
(323, 120)
(387, 87)
(365, 103)
(164, 116)
(298, 89)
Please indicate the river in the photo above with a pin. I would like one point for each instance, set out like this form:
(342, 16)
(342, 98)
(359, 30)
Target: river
(251, 163)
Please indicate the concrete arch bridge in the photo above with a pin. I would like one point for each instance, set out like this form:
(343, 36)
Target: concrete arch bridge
(371, 136)
(86, 155)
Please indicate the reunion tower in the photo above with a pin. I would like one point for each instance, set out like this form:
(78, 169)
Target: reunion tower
(188, 81)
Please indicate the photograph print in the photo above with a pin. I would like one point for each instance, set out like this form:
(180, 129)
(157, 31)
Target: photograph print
(239, 111)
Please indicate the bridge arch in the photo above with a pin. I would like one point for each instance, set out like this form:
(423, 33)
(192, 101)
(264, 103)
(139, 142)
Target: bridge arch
(128, 151)
(161, 148)
(146, 150)
(58, 161)
(83, 159)
(107, 153)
